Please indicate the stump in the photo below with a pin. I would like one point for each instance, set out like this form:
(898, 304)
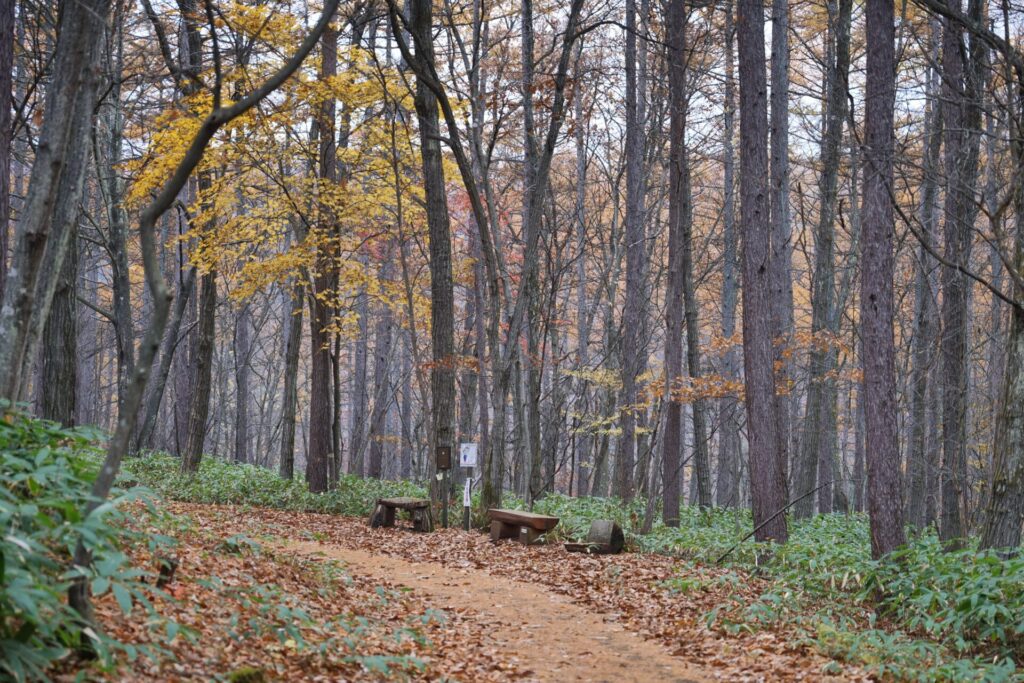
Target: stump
(605, 538)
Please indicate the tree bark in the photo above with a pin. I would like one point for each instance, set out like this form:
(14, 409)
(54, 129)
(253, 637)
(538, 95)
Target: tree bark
(635, 247)
(767, 467)
(876, 315)
(324, 284)
(961, 128)
(729, 445)
(243, 352)
(814, 470)
(6, 85)
(60, 336)
(679, 215)
(41, 241)
(923, 346)
(202, 382)
(442, 317)
(781, 238)
(289, 402)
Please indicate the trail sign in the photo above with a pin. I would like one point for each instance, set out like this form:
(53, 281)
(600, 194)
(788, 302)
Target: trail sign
(467, 455)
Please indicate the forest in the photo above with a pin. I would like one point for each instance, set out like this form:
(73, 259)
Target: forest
(741, 281)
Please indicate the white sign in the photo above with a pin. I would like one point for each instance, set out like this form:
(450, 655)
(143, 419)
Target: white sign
(467, 455)
(466, 500)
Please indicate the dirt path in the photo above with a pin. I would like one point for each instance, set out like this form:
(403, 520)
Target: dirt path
(555, 639)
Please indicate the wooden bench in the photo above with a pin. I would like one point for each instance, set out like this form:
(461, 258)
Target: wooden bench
(525, 526)
(384, 512)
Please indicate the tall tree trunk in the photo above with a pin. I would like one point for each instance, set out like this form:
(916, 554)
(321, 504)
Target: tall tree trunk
(961, 119)
(781, 238)
(818, 443)
(6, 84)
(289, 402)
(876, 315)
(243, 352)
(678, 231)
(167, 355)
(41, 241)
(321, 415)
(923, 347)
(442, 331)
(360, 395)
(381, 382)
(767, 466)
(728, 484)
(60, 354)
(635, 252)
(202, 383)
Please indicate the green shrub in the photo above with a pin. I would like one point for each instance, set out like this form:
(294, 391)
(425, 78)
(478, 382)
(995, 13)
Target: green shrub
(45, 479)
(224, 483)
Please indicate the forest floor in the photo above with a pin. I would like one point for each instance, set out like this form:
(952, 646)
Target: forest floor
(391, 604)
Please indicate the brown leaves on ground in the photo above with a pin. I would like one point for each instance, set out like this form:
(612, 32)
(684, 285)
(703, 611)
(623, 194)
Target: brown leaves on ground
(630, 588)
(231, 596)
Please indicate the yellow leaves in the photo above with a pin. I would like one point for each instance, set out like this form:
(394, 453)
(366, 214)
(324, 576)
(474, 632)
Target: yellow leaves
(609, 378)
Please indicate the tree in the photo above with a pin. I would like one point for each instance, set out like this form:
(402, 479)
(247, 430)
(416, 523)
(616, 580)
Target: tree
(767, 470)
(818, 445)
(728, 480)
(55, 186)
(442, 317)
(324, 285)
(876, 308)
(6, 77)
(671, 459)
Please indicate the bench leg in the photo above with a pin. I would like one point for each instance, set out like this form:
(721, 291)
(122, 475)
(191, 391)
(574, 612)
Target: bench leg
(377, 517)
(389, 516)
(528, 535)
(422, 520)
(501, 530)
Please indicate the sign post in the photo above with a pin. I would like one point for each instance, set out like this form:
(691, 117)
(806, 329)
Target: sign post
(443, 454)
(467, 460)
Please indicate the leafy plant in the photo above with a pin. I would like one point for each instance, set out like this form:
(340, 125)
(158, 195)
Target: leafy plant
(45, 480)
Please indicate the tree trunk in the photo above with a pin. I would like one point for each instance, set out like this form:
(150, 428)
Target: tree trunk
(289, 402)
(961, 126)
(923, 346)
(635, 247)
(442, 331)
(728, 484)
(876, 314)
(818, 444)
(381, 382)
(60, 354)
(321, 423)
(243, 351)
(767, 466)
(6, 83)
(202, 384)
(679, 215)
(779, 266)
(41, 241)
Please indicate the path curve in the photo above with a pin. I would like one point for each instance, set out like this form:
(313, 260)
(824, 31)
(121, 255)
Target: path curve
(550, 636)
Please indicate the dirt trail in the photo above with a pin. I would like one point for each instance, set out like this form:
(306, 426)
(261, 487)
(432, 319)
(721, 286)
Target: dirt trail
(555, 639)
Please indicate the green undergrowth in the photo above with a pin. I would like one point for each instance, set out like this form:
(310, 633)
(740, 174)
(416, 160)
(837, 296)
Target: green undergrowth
(922, 615)
(224, 483)
(46, 474)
